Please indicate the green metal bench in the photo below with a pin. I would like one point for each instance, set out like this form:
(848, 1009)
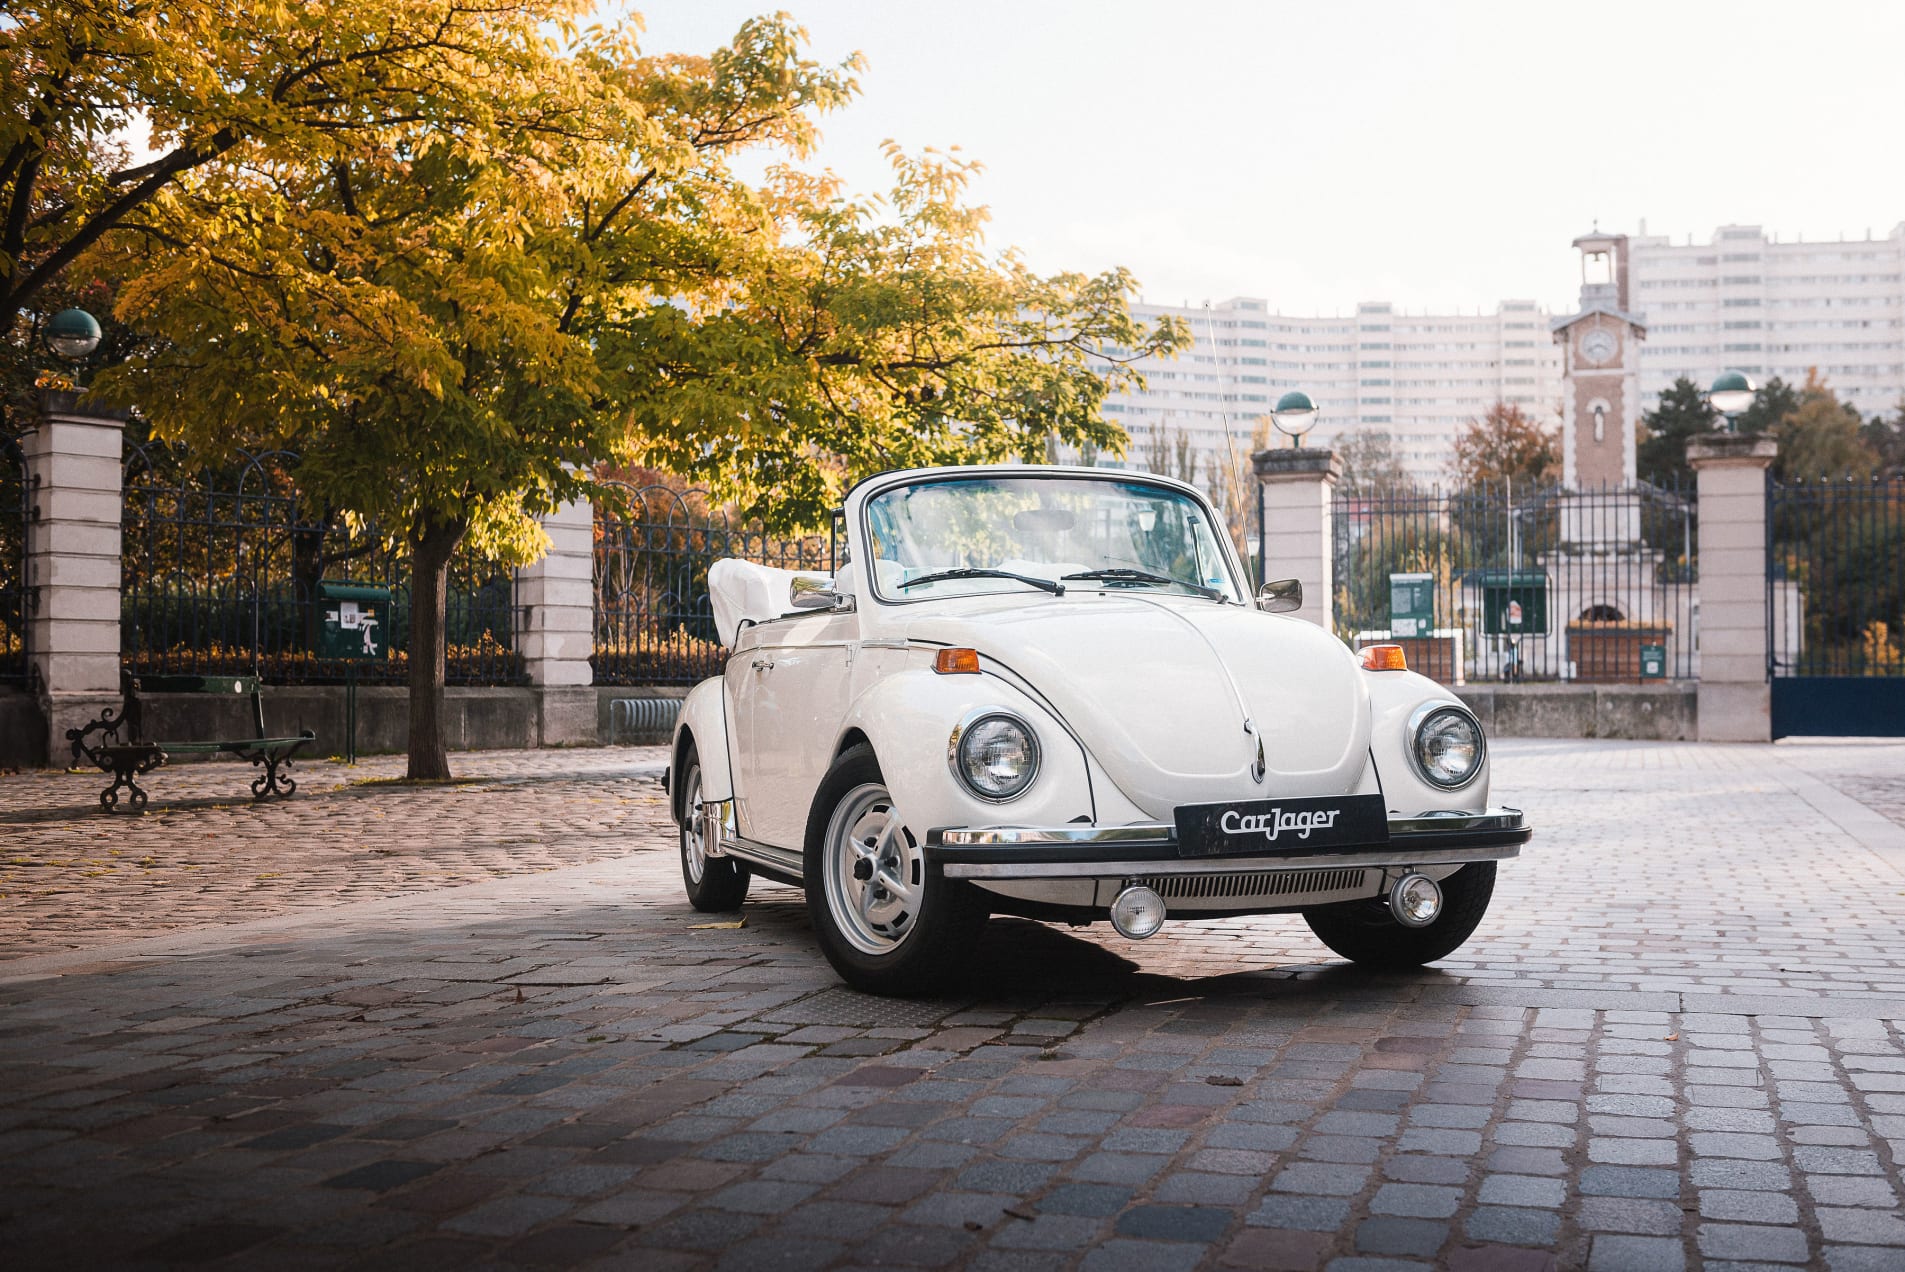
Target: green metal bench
(123, 750)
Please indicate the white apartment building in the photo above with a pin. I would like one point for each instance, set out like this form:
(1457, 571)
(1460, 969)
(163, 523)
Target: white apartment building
(1773, 307)
(1418, 377)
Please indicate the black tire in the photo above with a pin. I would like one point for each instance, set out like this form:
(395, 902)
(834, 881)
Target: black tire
(876, 940)
(714, 884)
(1365, 933)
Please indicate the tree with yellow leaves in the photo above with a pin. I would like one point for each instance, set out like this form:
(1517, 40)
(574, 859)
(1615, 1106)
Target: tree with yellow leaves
(526, 250)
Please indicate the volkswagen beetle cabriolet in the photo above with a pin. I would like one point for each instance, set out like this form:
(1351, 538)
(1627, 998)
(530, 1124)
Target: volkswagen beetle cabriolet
(1049, 692)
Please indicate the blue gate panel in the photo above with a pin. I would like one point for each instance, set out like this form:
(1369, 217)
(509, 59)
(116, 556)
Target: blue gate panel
(1839, 706)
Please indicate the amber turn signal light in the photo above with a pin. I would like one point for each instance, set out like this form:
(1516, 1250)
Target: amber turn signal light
(1384, 658)
(955, 662)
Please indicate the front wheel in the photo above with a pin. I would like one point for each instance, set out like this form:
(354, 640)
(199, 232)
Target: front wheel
(713, 883)
(888, 920)
(1366, 933)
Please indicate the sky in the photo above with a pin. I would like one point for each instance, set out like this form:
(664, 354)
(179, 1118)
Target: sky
(1441, 154)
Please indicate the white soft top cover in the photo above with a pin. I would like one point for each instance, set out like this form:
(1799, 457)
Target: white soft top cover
(742, 591)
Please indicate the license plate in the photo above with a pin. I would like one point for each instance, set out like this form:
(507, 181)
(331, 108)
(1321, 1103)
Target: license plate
(1281, 827)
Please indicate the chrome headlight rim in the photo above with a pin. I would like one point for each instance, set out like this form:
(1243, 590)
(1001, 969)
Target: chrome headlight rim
(1419, 718)
(972, 720)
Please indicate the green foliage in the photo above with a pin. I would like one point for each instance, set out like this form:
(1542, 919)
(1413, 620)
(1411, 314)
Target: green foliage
(1821, 438)
(1886, 440)
(1661, 452)
(1772, 402)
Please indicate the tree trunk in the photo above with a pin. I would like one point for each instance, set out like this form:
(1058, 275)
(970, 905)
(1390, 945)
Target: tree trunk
(429, 584)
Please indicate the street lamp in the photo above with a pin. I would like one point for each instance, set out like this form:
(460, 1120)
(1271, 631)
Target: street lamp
(72, 334)
(1731, 394)
(1294, 415)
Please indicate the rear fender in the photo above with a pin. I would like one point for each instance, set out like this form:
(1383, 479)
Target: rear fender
(704, 723)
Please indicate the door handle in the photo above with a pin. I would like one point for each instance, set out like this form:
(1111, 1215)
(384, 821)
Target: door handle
(763, 664)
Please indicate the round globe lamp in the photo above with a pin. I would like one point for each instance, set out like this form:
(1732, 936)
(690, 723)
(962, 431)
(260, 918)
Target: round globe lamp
(1294, 415)
(72, 334)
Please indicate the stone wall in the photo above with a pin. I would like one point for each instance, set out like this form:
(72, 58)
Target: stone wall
(1667, 711)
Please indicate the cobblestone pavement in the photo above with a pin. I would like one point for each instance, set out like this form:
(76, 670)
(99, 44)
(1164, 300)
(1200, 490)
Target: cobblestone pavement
(204, 852)
(1676, 1042)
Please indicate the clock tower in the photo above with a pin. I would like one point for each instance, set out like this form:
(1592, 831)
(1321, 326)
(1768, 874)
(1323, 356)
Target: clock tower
(1600, 367)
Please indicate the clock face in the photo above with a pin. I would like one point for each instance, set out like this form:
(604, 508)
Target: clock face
(1599, 345)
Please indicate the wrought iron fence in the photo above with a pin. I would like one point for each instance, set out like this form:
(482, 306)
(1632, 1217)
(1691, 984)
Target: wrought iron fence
(221, 567)
(1836, 577)
(654, 624)
(16, 594)
(1494, 583)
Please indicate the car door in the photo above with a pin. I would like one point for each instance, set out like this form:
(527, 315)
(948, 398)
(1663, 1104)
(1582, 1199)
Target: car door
(789, 686)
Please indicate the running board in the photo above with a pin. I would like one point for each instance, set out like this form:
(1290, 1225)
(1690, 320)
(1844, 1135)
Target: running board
(781, 863)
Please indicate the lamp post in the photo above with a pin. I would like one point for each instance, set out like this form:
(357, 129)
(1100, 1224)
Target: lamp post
(72, 334)
(1731, 394)
(1294, 415)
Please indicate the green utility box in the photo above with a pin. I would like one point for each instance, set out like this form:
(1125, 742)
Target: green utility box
(355, 622)
(1653, 662)
(1411, 604)
(1514, 602)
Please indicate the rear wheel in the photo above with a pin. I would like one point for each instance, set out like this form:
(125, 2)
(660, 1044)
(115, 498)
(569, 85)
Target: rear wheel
(888, 920)
(713, 883)
(1366, 933)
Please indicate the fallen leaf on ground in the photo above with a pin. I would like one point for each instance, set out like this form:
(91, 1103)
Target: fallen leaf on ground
(733, 923)
(1222, 1079)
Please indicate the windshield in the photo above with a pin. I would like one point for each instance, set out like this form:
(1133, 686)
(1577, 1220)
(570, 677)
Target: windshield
(1096, 533)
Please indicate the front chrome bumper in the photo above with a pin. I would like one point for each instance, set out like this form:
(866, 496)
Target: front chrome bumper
(1082, 851)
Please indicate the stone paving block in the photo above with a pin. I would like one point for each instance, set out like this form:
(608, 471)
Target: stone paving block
(1388, 1235)
(1753, 1241)
(1427, 1201)
(1741, 1206)
(1861, 1226)
(1511, 1225)
(1636, 1254)
(1629, 1214)
(1143, 1256)
(1305, 1213)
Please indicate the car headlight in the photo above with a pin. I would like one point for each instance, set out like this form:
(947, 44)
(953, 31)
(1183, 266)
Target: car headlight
(1446, 744)
(994, 754)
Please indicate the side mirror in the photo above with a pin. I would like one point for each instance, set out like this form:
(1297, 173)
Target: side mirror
(809, 593)
(1285, 596)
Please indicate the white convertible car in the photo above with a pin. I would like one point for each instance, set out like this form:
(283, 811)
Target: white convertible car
(1049, 692)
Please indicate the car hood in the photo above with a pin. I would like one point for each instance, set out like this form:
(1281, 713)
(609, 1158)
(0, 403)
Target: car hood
(1173, 696)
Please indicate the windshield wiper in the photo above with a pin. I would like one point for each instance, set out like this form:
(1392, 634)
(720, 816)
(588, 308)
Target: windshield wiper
(1145, 576)
(1056, 589)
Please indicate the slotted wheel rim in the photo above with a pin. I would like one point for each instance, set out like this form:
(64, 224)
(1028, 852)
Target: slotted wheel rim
(692, 854)
(875, 875)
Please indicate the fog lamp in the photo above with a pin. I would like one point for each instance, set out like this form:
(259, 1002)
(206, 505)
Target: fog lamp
(1137, 913)
(1416, 900)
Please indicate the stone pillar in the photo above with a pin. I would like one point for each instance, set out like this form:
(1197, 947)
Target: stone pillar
(1735, 698)
(73, 458)
(555, 600)
(1297, 486)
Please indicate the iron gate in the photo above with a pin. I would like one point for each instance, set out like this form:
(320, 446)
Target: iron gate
(1835, 607)
(654, 623)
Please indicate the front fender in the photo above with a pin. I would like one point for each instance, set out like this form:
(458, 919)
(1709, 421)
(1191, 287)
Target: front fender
(1394, 696)
(909, 717)
(704, 721)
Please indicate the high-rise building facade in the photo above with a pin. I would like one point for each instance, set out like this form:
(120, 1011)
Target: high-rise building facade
(1417, 377)
(1773, 307)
